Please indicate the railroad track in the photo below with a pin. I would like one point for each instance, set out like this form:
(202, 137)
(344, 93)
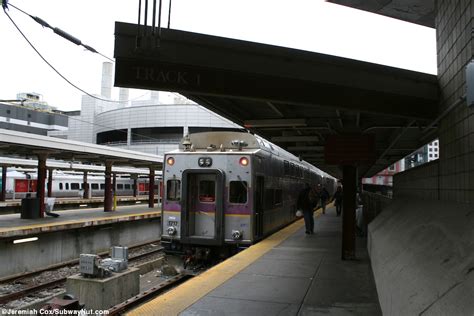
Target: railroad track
(60, 281)
(151, 293)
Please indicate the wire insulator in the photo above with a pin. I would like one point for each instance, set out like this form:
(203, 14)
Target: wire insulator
(41, 21)
(67, 36)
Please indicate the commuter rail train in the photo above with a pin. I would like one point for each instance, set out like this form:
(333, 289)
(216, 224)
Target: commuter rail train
(22, 183)
(230, 189)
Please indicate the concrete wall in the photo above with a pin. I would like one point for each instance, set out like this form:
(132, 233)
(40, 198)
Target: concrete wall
(420, 182)
(54, 248)
(454, 21)
(422, 255)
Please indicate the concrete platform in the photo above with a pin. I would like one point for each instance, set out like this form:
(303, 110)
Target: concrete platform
(12, 226)
(63, 239)
(289, 273)
(60, 204)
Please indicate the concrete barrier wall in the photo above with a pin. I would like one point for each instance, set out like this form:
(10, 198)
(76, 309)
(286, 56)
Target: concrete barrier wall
(58, 247)
(420, 182)
(422, 254)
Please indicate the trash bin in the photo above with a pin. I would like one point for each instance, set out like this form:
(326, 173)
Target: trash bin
(30, 208)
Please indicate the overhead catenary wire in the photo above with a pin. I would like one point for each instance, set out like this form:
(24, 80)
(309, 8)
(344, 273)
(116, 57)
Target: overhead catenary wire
(55, 70)
(61, 33)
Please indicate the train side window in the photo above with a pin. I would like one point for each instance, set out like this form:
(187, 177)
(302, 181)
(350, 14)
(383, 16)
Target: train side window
(127, 186)
(67, 186)
(60, 185)
(74, 186)
(207, 191)
(95, 186)
(119, 186)
(173, 190)
(238, 192)
(102, 186)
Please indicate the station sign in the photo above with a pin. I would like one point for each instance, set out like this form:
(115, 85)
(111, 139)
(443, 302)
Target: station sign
(350, 149)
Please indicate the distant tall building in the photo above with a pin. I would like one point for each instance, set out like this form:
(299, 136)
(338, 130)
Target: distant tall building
(383, 181)
(31, 115)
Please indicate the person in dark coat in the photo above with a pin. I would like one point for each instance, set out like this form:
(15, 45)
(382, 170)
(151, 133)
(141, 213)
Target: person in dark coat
(306, 203)
(324, 198)
(338, 200)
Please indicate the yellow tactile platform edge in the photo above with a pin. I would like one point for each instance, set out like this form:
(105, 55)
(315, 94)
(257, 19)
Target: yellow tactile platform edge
(78, 221)
(182, 297)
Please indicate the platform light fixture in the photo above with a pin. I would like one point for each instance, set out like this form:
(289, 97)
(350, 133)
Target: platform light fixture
(275, 123)
(21, 241)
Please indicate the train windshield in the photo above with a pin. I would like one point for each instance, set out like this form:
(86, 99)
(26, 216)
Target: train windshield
(207, 191)
(238, 192)
(173, 190)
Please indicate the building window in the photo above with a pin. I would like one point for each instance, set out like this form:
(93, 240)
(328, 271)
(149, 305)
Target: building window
(431, 155)
(391, 168)
(431, 149)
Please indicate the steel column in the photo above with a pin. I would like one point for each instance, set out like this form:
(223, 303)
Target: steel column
(3, 193)
(151, 188)
(85, 186)
(108, 197)
(50, 182)
(349, 182)
(40, 182)
(135, 186)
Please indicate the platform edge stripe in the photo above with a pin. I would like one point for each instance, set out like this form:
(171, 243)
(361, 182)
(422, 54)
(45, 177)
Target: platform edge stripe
(49, 227)
(183, 296)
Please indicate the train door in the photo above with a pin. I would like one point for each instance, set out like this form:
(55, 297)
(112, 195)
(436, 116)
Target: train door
(202, 210)
(258, 221)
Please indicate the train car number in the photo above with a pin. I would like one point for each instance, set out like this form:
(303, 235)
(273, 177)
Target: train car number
(172, 223)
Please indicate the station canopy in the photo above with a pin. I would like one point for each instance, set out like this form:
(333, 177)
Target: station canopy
(21, 145)
(300, 100)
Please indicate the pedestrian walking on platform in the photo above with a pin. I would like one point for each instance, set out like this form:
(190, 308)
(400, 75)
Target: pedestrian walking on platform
(338, 200)
(324, 198)
(307, 202)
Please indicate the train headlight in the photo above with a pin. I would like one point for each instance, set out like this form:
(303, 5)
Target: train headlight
(172, 230)
(170, 161)
(244, 161)
(236, 234)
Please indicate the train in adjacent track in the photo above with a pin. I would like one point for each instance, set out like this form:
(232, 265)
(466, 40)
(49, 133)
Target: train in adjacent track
(21, 183)
(231, 189)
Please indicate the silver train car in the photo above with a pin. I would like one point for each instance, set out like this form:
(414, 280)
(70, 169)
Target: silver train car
(231, 189)
(66, 185)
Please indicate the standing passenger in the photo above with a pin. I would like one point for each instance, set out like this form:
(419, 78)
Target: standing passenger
(324, 198)
(306, 203)
(338, 200)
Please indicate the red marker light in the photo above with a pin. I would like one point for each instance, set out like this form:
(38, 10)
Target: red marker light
(170, 161)
(244, 161)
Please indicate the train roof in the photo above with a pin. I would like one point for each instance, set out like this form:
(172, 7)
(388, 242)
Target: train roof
(229, 141)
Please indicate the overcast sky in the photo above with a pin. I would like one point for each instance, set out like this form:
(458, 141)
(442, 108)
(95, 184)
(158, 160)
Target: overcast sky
(311, 25)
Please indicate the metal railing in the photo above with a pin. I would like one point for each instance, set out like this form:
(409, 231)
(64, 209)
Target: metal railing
(373, 204)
